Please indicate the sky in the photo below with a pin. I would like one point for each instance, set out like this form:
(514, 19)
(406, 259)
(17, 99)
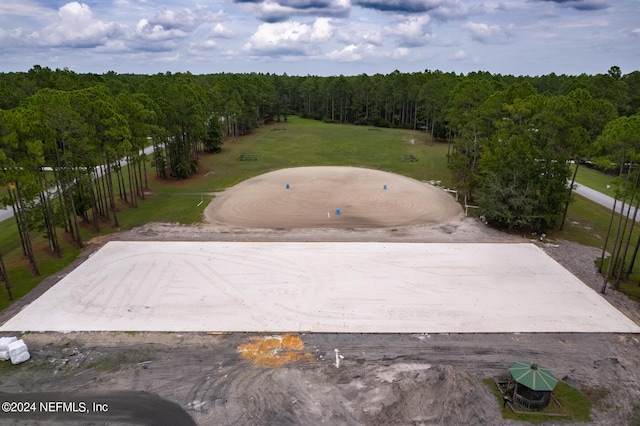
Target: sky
(321, 37)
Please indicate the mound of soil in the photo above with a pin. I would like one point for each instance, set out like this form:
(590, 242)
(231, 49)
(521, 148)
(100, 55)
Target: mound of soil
(331, 197)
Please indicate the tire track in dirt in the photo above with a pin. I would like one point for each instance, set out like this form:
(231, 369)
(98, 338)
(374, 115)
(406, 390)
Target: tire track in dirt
(381, 378)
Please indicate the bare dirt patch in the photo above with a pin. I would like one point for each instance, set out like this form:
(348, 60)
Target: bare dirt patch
(380, 379)
(330, 197)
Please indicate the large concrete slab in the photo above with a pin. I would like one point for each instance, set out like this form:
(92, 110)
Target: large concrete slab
(321, 287)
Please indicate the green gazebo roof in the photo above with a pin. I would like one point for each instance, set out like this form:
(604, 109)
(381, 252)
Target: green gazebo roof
(532, 376)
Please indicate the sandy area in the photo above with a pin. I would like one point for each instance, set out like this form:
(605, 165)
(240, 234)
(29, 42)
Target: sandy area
(320, 287)
(330, 197)
(325, 378)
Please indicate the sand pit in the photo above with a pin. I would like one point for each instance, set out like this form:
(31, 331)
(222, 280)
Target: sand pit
(320, 287)
(365, 199)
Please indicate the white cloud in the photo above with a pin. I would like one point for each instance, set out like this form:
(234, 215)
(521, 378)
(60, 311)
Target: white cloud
(220, 30)
(459, 55)
(412, 32)
(347, 35)
(179, 32)
(584, 5)
(272, 11)
(186, 19)
(357, 42)
(322, 30)
(438, 9)
(156, 32)
(455, 10)
(168, 26)
(374, 38)
(76, 27)
(367, 51)
(486, 33)
(182, 19)
(20, 8)
(358, 34)
(400, 53)
(14, 38)
(349, 53)
(117, 45)
(577, 23)
(289, 37)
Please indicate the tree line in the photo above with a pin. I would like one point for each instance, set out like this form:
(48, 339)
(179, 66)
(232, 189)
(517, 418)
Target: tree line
(65, 137)
(511, 139)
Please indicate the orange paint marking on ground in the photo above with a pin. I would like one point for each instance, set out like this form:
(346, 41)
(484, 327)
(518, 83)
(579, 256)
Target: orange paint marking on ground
(274, 351)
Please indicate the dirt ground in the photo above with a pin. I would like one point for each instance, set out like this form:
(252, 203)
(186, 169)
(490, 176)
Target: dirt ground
(351, 379)
(313, 379)
(330, 197)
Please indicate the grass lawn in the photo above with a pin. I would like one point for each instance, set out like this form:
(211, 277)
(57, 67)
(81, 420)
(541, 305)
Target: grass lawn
(575, 406)
(632, 290)
(312, 143)
(595, 179)
(587, 223)
(303, 143)
(20, 273)
(299, 142)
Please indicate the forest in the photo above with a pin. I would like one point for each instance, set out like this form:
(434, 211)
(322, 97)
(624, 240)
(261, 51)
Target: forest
(65, 138)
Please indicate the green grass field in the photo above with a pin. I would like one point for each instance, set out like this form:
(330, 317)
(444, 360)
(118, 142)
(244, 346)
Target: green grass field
(590, 221)
(299, 142)
(312, 143)
(575, 406)
(596, 179)
(303, 143)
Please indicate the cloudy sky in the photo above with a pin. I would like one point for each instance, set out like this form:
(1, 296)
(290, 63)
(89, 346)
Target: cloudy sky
(321, 37)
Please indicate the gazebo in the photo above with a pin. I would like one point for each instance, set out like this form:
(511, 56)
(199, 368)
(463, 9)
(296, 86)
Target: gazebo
(530, 385)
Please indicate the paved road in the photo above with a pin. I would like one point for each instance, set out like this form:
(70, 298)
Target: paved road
(600, 198)
(7, 212)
